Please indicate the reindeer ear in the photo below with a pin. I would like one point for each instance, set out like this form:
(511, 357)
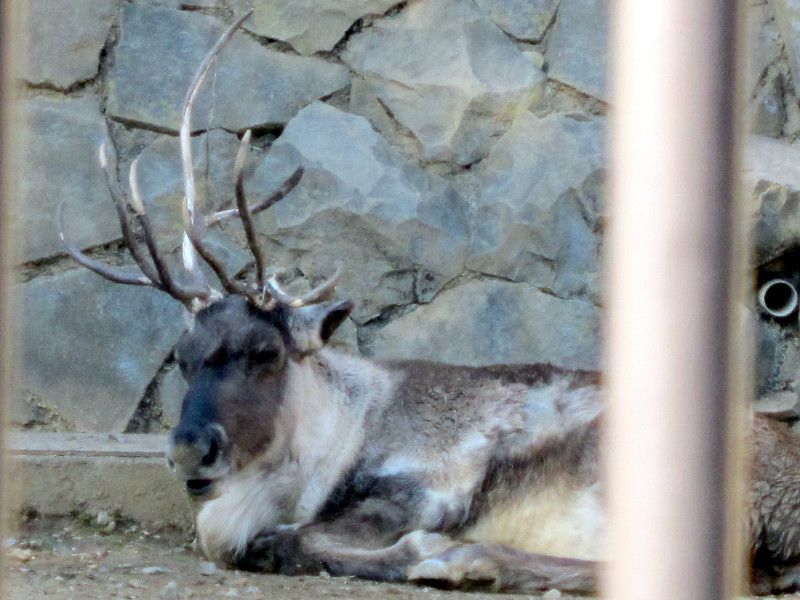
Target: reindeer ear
(312, 326)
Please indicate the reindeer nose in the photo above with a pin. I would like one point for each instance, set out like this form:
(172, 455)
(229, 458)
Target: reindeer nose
(191, 448)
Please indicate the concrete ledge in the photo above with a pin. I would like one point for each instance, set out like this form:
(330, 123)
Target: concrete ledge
(63, 473)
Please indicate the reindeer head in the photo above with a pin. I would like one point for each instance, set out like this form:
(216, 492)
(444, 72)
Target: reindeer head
(235, 351)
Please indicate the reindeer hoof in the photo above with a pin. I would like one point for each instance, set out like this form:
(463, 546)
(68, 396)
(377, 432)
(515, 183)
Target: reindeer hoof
(459, 567)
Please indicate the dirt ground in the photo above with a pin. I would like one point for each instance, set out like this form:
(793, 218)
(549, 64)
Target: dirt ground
(86, 559)
(69, 559)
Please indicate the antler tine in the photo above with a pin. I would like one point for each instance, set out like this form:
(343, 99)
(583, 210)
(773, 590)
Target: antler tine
(102, 269)
(273, 288)
(109, 170)
(288, 185)
(167, 283)
(189, 202)
(244, 210)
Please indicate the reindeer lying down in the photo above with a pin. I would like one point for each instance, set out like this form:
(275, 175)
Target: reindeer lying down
(306, 458)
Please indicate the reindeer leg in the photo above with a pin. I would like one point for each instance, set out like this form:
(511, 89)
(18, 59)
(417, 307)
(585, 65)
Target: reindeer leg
(368, 540)
(315, 548)
(504, 569)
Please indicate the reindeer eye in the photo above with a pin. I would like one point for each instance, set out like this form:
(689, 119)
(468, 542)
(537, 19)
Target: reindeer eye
(218, 358)
(265, 356)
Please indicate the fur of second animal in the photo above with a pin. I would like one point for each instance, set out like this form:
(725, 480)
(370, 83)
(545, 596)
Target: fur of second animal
(306, 458)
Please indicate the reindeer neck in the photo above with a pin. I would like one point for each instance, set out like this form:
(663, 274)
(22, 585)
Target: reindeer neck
(328, 397)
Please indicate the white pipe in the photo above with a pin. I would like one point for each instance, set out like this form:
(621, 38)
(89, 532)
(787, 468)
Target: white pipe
(778, 298)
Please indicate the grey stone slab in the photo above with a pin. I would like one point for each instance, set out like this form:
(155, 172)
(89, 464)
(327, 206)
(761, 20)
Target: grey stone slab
(787, 17)
(59, 163)
(577, 224)
(772, 176)
(171, 392)
(524, 19)
(64, 39)
(161, 180)
(768, 115)
(161, 184)
(781, 405)
(359, 204)
(67, 474)
(776, 223)
(577, 53)
(518, 228)
(775, 161)
(309, 25)
(33, 443)
(89, 347)
(764, 40)
(494, 322)
(159, 51)
(433, 67)
(777, 357)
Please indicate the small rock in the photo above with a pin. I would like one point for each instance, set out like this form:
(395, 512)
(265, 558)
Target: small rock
(109, 528)
(22, 555)
(232, 593)
(324, 574)
(551, 595)
(169, 591)
(252, 590)
(103, 518)
(207, 568)
(156, 570)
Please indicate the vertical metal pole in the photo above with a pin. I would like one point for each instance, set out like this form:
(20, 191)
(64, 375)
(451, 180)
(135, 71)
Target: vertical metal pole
(672, 274)
(8, 52)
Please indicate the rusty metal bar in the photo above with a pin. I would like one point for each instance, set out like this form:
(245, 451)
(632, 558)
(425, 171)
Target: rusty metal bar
(673, 270)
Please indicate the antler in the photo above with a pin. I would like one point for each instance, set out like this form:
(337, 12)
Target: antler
(190, 220)
(146, 275)
(323, 291)
(154, 272)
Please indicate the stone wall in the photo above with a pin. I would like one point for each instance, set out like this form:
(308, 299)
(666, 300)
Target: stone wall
(453, 154)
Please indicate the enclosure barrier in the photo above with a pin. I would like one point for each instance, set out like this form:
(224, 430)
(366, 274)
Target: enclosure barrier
(7, 38)
(673, 269)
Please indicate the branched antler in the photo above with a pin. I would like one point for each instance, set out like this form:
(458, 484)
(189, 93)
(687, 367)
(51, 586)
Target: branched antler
(192, 225)
(154, 275)
(323, 291)
(153, 270)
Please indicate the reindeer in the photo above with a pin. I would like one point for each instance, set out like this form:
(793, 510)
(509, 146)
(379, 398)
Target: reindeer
(306, 458)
